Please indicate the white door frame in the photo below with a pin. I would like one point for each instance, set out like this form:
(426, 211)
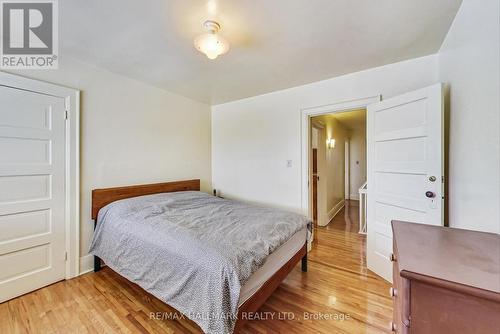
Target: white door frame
(72, 157)
(321, 185)
(305, 118)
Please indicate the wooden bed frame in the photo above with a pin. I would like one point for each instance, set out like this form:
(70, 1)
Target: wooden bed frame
(102, 197)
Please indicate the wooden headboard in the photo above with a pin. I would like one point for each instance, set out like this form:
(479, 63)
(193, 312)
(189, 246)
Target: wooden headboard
(102, 197)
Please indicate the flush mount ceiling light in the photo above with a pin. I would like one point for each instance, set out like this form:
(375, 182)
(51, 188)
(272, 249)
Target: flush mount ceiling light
(211, 44)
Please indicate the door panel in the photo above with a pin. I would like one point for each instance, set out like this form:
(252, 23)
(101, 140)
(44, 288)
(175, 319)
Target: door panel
(32, 191)
(24, 187)
(23, 150)
(405, 145)
(25, 224)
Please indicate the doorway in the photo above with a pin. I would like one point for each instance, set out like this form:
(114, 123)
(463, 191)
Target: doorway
(338, 161)
(404, 165)
(341, 228)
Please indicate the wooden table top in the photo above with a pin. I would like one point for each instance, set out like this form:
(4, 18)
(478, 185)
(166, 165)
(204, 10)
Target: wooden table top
(464, 257)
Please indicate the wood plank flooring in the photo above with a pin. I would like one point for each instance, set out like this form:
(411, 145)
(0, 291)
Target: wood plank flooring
(338, 290)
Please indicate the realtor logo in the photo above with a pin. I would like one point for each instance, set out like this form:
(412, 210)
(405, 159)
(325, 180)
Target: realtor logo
(29, 34)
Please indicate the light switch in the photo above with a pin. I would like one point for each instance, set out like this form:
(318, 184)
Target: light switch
(289, 163)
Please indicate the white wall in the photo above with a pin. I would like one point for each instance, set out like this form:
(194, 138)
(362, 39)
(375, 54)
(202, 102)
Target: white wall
(252, 138)
(469, 63)
(357, 163)
(131, 133)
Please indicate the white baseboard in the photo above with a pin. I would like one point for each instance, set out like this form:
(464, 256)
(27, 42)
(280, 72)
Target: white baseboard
(86, 264)
(333, 212)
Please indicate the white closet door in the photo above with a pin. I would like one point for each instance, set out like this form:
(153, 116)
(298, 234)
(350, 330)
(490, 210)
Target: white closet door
(405, 168)
(32, 191)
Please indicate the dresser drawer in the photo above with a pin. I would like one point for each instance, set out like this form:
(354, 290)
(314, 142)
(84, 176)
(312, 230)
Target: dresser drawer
(437, 310)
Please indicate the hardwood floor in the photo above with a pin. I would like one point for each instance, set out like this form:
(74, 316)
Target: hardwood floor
(337, 286)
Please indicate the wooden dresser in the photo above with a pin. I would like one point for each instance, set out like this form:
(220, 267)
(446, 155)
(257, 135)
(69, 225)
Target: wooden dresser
(446, 280)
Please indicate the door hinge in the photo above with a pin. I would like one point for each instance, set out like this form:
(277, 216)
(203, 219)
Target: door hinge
(65, 256)
(66, 114)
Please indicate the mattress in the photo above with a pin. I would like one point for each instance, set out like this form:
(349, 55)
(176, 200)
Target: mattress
(273, 263)
(195, 251)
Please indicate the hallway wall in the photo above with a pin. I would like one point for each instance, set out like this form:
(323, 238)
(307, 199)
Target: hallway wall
(357, 161)
(334, 173)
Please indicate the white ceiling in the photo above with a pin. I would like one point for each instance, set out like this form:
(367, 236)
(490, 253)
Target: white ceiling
(352, 120)
(275, 44)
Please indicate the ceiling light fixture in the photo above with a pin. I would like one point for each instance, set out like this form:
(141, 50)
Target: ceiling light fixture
(211, 44)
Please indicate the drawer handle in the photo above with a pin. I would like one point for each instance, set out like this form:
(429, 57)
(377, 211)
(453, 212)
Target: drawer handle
(393, 292)
(392, 257)
(393, 327)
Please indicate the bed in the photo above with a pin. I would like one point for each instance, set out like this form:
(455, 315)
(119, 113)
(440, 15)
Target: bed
(210, 258)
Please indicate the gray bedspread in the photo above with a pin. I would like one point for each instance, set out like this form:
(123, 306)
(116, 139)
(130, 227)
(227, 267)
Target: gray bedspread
(191, 250)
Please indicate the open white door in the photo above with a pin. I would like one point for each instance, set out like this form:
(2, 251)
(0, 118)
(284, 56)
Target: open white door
(405, 168)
